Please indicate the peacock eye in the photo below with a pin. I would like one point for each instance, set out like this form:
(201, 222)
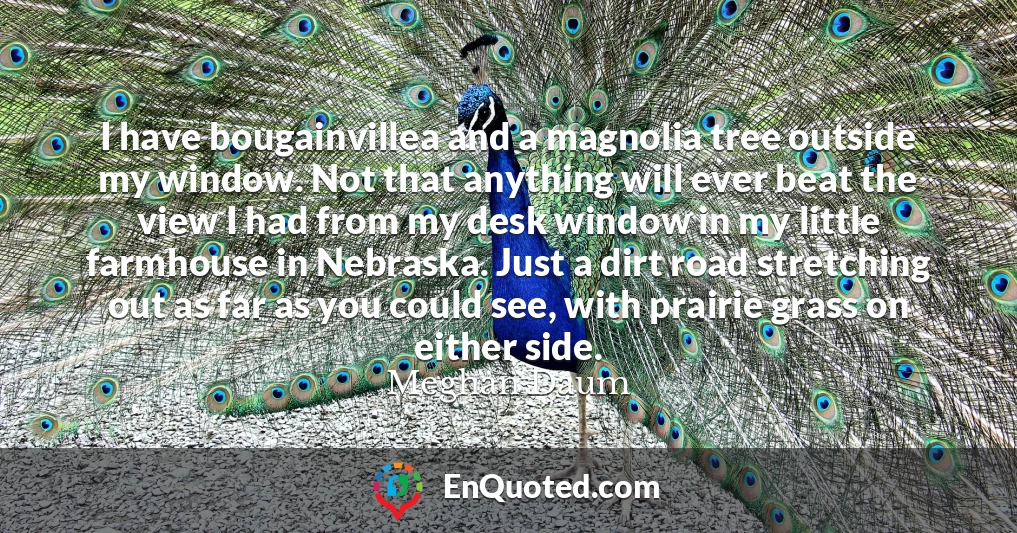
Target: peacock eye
(813, 160)
(644, 57)
(778, 516)
(14, 56)
(303, 384)
(750, 479)
(431, 365)
(661, 419)
(56, 289)
(376, 368)
(845, 25)
(419, 96)
(676, 433)
(730, 10)
(103, 6)
(52, 147)
(403, 15)
(633, 406)
(824, 407)
(950, 71)
(823, 402)
(503, 51)
(1002, 287)
(404, 365)
(342, 377)
(273, 290)
(102, 232)
(301, 26)
(714, 462)
(204, 69)
(278, 393)
(573, 21)
(219, 396)
(116, 102)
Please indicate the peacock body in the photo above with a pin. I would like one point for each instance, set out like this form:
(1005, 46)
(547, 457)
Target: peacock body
(921, 409)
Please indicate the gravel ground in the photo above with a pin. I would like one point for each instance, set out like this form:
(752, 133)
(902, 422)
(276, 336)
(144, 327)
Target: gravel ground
(382, 422)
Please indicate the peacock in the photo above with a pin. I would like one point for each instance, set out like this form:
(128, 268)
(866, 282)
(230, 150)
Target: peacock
(815, 424)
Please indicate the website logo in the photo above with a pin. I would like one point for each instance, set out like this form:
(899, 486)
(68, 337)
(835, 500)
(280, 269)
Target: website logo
(397, 487)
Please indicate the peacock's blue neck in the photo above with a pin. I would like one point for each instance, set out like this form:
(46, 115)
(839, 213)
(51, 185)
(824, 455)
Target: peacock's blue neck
(554, 291)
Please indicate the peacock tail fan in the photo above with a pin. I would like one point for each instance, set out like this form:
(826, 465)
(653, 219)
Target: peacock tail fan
(885, 423)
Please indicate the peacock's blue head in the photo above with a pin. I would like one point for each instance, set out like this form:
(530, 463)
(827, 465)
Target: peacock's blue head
(481, 109)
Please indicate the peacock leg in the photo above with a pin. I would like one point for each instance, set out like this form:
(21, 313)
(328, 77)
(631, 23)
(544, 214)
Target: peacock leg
(584, 463)
(626, 475)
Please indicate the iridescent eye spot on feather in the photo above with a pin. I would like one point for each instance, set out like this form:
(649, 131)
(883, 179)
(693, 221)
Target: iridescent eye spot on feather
(713, 120)
(845, 25)
(503, 52)
(419, 96)
(52, 147)
(939, 456)
(573, 21)
(772, 337)
(342, 381)
(815, 161)
(462, 169)
(219, 398)
(750, 485)
(45, 426)
(1002, 287)
(632, 249)
(212, 250)
(644, 56)
(157, 190)
(377, 371)
(824, 406)
(554, 97)
(477, 287)
(102, 231)
(635, 413)
(56, 289)
(301, 26)
(14, 56)
(660, 422)
(402, 365)
(689, 341)
(598, 102)
(729, 11)
(604, 376)
(778, 519)
(229, 155)
(319, 120)
(428, 368)
(909, 373)
(304, 387)
(676, 437)
(161, 290)
(851, 287)
(116, 102)
(276, 397)
(105, 391)
(103, 6)
(713, 465)
(515, 124)
(952, 72)
(203, 69)
(403, 15)
(5, 206)
(576, 115)
(273, 289)
(765, 231)
(909, 215)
